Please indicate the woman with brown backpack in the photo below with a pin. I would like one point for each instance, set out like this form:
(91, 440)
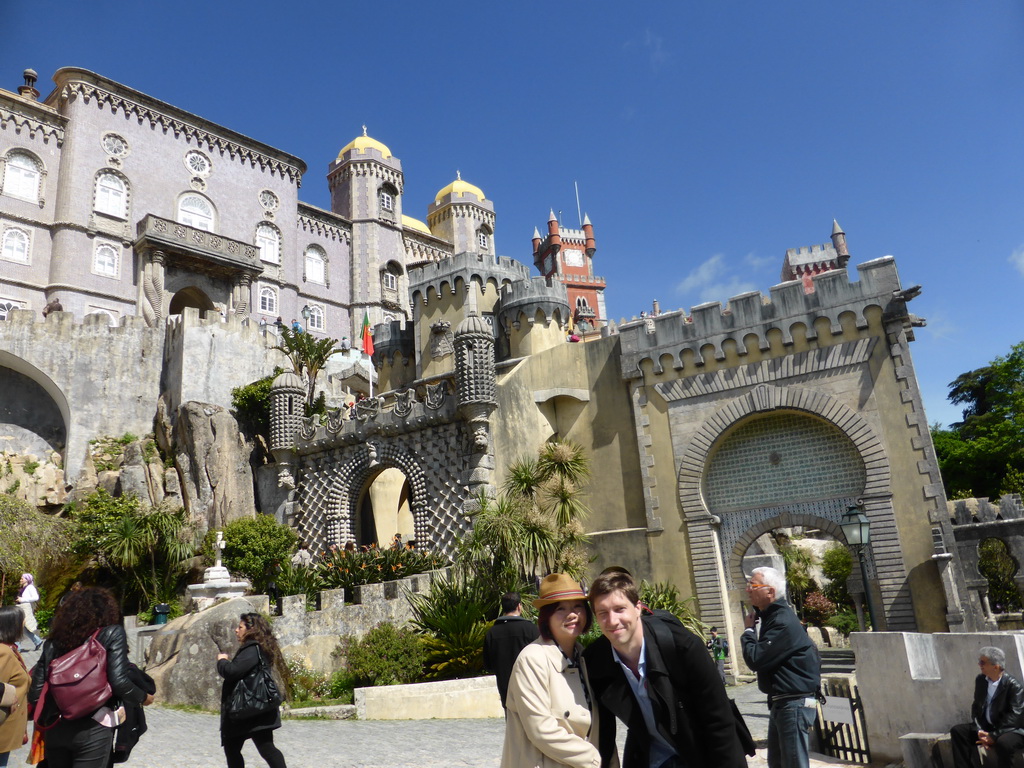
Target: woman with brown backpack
(81, 680)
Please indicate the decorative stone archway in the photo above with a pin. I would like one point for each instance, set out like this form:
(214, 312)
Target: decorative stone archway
(785, 520)
(715, 577)
(354, 475)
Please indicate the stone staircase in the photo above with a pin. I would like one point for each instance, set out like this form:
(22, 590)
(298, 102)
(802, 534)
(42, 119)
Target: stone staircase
(837, 661)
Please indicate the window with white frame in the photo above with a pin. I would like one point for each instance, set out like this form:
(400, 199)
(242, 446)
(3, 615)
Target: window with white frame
(317, 320)
(269, 243)
(268, 300)
(483, 239)
(196, 211)
(387, 201)
(106, 259)
(581, 302)
(92, 309)
(14, 246)
(316, 265)
(111, 195)
(389, 281)
(6, 305)
(21, 176)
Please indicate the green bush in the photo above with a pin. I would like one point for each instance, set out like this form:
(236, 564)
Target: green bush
(250, 404)
(837, 565)
(305, 684)
(818, 609)
(253, 548)
(665, 596)
(453, 617)
(387, 655)
(342, 686)
(345, 570)
(43, 618)
(846, 622)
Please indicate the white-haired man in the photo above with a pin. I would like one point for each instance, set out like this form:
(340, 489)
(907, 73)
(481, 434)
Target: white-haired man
(997, 714)
(787, 665)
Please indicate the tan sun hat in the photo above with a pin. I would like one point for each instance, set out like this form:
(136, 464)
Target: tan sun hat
(556, 587)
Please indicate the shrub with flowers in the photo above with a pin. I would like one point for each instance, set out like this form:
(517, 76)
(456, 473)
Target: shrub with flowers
(818, 609)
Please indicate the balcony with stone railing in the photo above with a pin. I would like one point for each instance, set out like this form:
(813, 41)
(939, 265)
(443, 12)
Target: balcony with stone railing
(174, 238)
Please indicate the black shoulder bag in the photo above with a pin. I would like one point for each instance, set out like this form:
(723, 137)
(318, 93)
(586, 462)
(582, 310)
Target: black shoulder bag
(254, 694)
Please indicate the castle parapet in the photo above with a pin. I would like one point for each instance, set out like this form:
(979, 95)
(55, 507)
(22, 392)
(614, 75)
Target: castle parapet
(710, 325)
(467, 267)
(530, 297)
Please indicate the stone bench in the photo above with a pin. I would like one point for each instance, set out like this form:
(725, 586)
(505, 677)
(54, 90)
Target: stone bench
(926, 750)
(934, 750)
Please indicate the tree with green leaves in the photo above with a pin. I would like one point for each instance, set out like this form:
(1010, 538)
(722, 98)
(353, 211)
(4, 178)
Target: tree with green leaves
(254, 547)
(983, 455)
(307, 354)
(147, 550)
(30, 542)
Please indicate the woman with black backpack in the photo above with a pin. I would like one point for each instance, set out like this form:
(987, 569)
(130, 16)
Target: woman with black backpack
(87, 643)
(258, 654)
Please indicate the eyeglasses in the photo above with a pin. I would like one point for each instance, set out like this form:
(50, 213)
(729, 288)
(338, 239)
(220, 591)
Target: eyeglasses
(757, 586)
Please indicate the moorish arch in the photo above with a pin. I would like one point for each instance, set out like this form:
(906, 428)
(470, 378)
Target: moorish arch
(190, 296)
(354, 475)
(36, 413)
(714, 538)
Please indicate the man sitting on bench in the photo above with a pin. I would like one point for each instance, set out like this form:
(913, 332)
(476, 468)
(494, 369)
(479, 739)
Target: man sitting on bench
(997, 712)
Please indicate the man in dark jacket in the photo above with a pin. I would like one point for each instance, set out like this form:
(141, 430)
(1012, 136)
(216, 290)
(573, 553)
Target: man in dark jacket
(503, 642)
(787, 665)
(997, 714)
(656, 676)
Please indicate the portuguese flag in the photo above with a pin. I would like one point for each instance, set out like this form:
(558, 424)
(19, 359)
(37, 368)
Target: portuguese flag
(367, 335)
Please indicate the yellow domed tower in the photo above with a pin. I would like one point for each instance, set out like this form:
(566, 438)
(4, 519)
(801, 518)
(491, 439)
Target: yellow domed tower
(462, 215)
(366, 184)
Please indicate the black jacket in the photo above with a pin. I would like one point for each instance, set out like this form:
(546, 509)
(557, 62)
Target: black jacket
(691, 707)
(134, 725)
(502, 644)
(115, 641)
(1007, 706)
(785, 659)
(245, 660)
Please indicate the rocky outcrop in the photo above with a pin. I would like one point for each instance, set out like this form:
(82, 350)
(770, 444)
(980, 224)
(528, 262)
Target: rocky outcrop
(213, 461)
(182, 658)
(39, 480)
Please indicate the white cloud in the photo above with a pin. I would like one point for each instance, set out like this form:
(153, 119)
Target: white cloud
(754, 261)
(655, 46)
(1017, 259)
(713, 280)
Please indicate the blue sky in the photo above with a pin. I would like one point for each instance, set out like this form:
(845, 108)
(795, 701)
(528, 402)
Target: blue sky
(706, 138)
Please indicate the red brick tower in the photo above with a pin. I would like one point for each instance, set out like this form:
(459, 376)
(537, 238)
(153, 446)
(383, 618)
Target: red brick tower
(568, 255)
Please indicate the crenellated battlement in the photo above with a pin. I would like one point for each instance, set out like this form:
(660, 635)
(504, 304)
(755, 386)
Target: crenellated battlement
(467, 267)
(789, 305)
(527, 297)
(244, 327)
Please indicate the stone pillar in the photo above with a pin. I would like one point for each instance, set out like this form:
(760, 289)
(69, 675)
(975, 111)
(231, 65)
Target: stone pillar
(240, 293)
(152, 300)
(475, 389)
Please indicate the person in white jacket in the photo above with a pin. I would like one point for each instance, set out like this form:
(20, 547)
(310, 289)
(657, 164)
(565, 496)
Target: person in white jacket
(549, 715)
(27, 599)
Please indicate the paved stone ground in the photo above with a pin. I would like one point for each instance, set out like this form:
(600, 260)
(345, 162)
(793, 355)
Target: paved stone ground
(192, 740)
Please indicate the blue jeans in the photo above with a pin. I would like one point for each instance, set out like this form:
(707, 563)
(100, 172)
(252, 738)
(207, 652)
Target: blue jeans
(789, 733)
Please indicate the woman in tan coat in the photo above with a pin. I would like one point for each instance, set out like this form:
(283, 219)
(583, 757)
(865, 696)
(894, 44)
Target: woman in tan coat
(549, 719)
(14, 682)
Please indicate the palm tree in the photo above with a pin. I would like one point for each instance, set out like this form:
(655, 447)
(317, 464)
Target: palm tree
(308, 354)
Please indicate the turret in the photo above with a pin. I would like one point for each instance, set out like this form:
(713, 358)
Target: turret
(462, 215)
(554, 238)
(536, 240)
(287, 410)
(839, 243)
(588, 230)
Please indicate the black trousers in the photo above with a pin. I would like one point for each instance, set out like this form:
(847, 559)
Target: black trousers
(264, 742)
(80, 743)
(964, 738)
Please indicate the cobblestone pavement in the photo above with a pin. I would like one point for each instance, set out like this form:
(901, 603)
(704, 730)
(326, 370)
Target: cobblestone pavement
(192, 740)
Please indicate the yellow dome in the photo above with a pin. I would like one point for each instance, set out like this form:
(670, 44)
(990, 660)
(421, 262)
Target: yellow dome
(363, 143)
(408, 222)
(459, 188)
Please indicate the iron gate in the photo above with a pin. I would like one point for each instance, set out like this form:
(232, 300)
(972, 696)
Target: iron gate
(845, 736)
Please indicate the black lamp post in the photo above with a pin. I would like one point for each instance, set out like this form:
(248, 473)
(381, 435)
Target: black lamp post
(857, 529)
(305, 316)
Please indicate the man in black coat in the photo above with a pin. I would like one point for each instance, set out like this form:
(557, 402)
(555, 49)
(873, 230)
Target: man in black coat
(503, 642)
(788, 668)
(997, 714)
(656, 676)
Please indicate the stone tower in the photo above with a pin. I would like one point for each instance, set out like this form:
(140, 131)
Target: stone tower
(287, 409)
(568, 256)
(366, 183)
(475, 385)
(462, 215)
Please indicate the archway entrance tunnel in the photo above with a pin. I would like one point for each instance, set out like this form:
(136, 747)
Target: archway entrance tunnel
(384, 510)
(31, 419)
(780, 483)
